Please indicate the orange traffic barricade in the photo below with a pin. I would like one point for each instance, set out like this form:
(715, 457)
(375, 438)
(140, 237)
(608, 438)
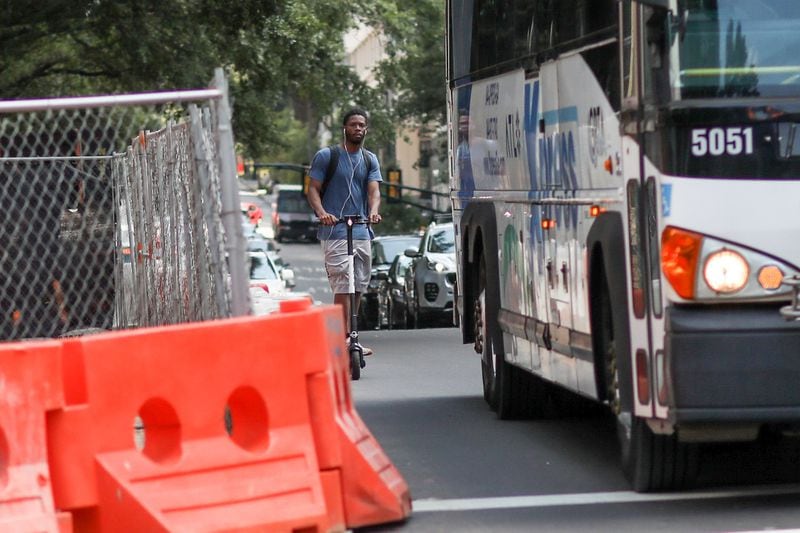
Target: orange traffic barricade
(30, 379)
(372, 490)
(195, 427)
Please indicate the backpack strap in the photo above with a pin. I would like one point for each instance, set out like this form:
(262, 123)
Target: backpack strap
(333, 162)
(367, 161)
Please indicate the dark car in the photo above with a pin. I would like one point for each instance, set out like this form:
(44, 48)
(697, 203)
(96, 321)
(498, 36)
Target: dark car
(393, 293)
(431, 277)
(372, 313)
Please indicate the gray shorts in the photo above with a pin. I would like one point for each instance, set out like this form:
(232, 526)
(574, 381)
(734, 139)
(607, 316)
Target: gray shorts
(335, 252)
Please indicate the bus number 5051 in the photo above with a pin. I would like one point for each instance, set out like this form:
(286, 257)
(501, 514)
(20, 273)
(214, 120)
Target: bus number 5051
(722, 141)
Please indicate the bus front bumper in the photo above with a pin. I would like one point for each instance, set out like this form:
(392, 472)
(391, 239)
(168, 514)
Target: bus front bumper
(732, 364)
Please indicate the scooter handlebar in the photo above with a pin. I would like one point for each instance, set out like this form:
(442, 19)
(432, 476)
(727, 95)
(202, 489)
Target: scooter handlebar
(350, 219)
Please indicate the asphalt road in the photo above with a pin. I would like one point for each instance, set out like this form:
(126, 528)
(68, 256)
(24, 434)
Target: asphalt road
(420, 395)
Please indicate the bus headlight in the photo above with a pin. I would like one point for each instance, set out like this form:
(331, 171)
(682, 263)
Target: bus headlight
(726, 271)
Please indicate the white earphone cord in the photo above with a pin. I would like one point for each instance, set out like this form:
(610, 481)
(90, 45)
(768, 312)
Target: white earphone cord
(352, 177)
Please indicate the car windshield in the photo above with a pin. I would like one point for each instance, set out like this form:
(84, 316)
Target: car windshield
(387, 249)
(261, 267)
(735, 49)
(293, 202)
(442, 240)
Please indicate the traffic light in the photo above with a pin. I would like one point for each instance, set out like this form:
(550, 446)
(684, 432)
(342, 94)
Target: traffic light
(395, 180)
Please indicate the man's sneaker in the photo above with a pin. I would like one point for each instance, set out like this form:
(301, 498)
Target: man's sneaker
(364, 350)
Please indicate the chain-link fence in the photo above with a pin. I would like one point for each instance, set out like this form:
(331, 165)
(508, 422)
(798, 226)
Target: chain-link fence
(118, 211)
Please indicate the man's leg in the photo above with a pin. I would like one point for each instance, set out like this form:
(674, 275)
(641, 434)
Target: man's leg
(344, 300)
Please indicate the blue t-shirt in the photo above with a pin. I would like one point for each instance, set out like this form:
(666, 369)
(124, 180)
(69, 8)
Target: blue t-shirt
(346, 193)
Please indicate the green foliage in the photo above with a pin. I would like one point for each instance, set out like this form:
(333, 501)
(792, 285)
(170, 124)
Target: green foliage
(414, 69)
(400, 218)
(273, 50)
(283, 58)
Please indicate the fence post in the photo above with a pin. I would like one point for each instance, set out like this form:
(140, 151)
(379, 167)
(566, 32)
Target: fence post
(202, 257)
(229, 190)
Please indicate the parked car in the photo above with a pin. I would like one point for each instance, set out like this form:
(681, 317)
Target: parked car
(372, 311)
(267, 286)
(393, 293)
(431, 276)
(258, 243)
(264, 273)
(292, 216)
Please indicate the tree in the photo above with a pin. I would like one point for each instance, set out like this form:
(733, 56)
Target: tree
(273, 50)
(414, 70)
(281, 56)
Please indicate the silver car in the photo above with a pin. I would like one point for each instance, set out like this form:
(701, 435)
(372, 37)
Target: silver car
(431, 276)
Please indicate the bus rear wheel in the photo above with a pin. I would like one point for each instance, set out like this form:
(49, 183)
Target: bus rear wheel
(650, 461)
(510, 391)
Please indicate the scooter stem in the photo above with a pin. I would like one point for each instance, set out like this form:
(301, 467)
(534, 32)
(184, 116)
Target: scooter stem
(353, 333)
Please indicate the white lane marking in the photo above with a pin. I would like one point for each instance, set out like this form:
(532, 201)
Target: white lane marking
(591, 498)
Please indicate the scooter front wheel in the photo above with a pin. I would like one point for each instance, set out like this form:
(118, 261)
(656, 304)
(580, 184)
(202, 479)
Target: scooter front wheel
(355, 364)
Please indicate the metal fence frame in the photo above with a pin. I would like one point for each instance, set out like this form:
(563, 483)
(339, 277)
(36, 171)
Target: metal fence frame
(220, 124)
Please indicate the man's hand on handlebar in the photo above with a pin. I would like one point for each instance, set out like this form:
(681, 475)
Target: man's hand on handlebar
(327, 219)
(374, 218)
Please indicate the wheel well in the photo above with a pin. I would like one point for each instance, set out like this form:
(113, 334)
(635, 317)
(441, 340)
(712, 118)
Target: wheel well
(608, 289)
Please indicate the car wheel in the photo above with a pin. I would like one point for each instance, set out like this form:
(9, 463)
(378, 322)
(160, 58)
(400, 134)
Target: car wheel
(407, 317)
(417, 318)
(363, 318)
(402, 316)
(383, 312)
(370, 315)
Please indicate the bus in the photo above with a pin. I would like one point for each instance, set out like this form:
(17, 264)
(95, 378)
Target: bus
(625, 186)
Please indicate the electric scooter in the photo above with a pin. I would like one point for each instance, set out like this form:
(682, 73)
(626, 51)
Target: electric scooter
(355, 349)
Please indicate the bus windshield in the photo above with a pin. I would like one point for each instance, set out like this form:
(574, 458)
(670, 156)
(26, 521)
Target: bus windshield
(735, 49)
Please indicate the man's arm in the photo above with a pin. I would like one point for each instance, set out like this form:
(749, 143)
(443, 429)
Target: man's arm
(374, 201)
(315, 201)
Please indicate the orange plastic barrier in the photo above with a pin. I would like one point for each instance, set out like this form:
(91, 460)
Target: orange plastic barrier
(30, 385)
(372, 490)
(225, 439)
